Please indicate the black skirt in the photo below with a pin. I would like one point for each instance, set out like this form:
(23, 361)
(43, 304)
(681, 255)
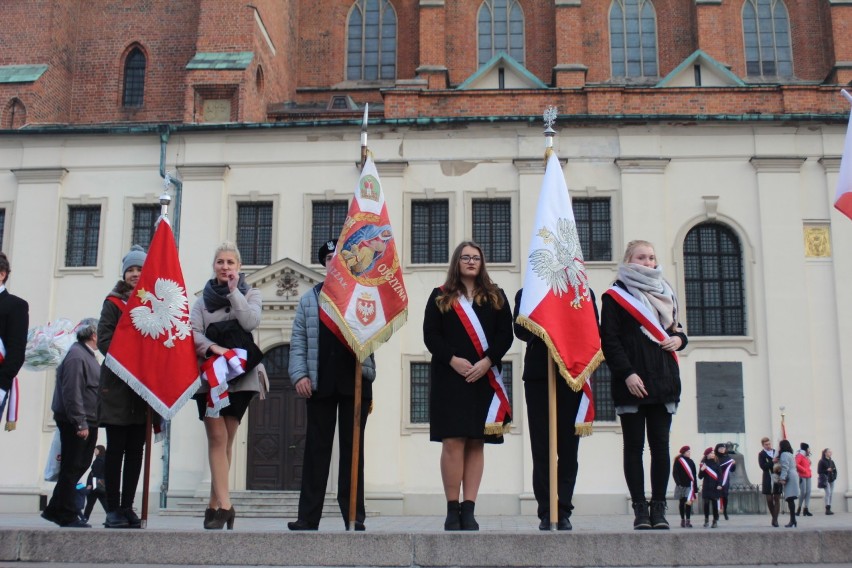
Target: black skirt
(239, 403)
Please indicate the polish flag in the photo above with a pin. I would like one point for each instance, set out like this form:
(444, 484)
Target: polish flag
(843, 195)
(152, 349)
(556, 304)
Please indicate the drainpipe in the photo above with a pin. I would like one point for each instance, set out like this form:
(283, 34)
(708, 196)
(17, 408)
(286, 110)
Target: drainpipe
(165, 132)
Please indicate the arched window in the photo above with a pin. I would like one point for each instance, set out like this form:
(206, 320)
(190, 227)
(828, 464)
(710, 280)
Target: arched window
(134, 78)
(371, 41)
(715, 288)
(766, 31)
(500, 29)
(633, 38)
(14, 115)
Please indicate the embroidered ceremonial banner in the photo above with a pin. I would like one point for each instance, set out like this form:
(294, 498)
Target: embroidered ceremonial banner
(556, 304)
(843, 195)
(363, 293)
(152, 349)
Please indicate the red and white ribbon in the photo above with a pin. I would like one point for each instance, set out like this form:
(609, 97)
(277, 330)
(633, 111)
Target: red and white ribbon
(217, 371)
(691, 495)
(640, 313)
(499, 415)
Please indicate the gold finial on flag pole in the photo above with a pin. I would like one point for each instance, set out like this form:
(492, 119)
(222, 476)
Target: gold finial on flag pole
(364, 135)
(549, 118)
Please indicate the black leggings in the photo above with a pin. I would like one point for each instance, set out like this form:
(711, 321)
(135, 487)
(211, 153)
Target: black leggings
(685, 510)
(715, 505)
(124, 445)
(658, 421)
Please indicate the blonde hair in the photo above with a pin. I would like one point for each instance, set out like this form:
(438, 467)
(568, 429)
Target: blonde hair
(228, 246)
(764, 440)
(632, 246)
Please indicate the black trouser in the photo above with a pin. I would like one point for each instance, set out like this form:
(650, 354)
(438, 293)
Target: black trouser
(93, 497)
(658, 421)
(714, 503)
(76, 456)
(319, 441)
(124, 445)
(567, 443)
(685, 510)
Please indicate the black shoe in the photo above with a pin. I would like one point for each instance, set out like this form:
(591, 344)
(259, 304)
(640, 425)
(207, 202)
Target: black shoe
(564, 524)
(643, 516)
(544, 525)
(300, 525)
(658, 518)
(468, 521)
(828, 510)
(48, 516)
(133, 519)
(806, 513)
(791, 524)
(209, 514)
(221, 518)
(726, 516)
(715, 524)
(78, 523)
(116, 520)
(359, 526)
(453, 521)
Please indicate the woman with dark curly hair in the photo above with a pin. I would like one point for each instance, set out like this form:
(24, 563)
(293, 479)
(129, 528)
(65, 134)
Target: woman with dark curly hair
(468, 328)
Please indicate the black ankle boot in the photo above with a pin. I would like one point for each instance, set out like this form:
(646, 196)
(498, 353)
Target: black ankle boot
(643, 516)
(658, 515)
(468, 522)
(453, 522)
(806, 513)
(828, 510)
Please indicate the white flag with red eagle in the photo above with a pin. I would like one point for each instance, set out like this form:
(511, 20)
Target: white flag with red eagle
(556, 304)
(152, 349)
(364, 293)
(843, 194)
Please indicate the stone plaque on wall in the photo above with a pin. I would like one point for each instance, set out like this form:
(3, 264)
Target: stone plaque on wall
(720, 397)
(216, 110)
(817, 241)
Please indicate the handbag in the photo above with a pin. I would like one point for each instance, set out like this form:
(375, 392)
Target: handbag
(229, 333)
(822, 481)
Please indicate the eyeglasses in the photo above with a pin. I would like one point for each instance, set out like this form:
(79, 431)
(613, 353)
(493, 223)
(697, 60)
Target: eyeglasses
(466, 258)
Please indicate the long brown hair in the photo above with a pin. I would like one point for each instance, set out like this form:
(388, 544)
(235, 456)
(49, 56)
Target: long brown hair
(484, 289)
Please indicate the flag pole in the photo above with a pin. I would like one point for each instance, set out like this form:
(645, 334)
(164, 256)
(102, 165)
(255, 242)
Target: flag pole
(549, 118)
(356, 410)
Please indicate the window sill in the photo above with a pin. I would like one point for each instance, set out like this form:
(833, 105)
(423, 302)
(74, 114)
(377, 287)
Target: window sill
(79, 270)
(746, 343)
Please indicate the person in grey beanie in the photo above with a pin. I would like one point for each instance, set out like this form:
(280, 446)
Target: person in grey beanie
(122, 412)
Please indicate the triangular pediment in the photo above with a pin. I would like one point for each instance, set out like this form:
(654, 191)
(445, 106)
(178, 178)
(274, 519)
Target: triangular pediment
(283, 282)
(701, 70)
(502, 72)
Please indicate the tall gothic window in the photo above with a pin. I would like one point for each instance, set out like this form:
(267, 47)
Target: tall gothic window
(14, 115)
(81, 243)
(371, 41)
(766, 31)
(327, 219)
(134, 78)
(430, 229)
(492, 228)
(715, 288)
(144, 218)
(633, 38)
(254, 232)
(500, 29)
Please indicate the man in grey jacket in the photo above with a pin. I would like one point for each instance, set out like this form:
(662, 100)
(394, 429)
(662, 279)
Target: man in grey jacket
(75, 409)
(322, 369)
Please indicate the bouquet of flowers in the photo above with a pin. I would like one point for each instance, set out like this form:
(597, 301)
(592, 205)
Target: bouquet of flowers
(48, 344)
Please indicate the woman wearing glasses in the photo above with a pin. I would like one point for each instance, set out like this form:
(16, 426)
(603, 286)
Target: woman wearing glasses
(468, 328)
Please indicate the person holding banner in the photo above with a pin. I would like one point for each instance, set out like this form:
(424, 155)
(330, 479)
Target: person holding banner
(568, 442)
(640, 333)
(122, 412)
(322, 369)
(14, 320)
(226, 298)
(468, 328)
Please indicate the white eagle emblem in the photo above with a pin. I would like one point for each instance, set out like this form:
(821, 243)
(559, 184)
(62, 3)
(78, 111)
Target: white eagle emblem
(565, 268)
(168, 314)
(366, 308)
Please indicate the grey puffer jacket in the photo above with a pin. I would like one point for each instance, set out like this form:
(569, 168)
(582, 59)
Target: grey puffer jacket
(304, 343)
(246, 309)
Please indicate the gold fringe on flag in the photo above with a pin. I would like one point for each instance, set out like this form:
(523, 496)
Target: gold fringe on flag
(381, 336)
(576, 383)
(497, 428)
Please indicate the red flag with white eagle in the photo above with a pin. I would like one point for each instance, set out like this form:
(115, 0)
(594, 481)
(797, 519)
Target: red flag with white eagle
(843, 195)
(364, 293)
(556, 304)
(152, 349)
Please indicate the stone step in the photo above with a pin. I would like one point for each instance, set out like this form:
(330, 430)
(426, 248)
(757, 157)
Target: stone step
(258, 504)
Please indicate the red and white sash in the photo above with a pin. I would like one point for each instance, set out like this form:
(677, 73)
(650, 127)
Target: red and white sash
(709, 471)
(640, 313)
(217, 371)
(691, 495)
(726, 471)
(12, 397)
(499, 417)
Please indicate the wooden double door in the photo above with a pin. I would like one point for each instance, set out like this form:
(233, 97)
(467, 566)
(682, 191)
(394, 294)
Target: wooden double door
(276, 430)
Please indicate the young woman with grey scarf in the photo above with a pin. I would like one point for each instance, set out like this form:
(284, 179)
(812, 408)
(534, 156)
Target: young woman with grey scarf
(640, 332)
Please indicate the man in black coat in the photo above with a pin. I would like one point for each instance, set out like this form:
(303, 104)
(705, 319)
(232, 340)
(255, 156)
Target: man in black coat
(14, 321)
(567, 443)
